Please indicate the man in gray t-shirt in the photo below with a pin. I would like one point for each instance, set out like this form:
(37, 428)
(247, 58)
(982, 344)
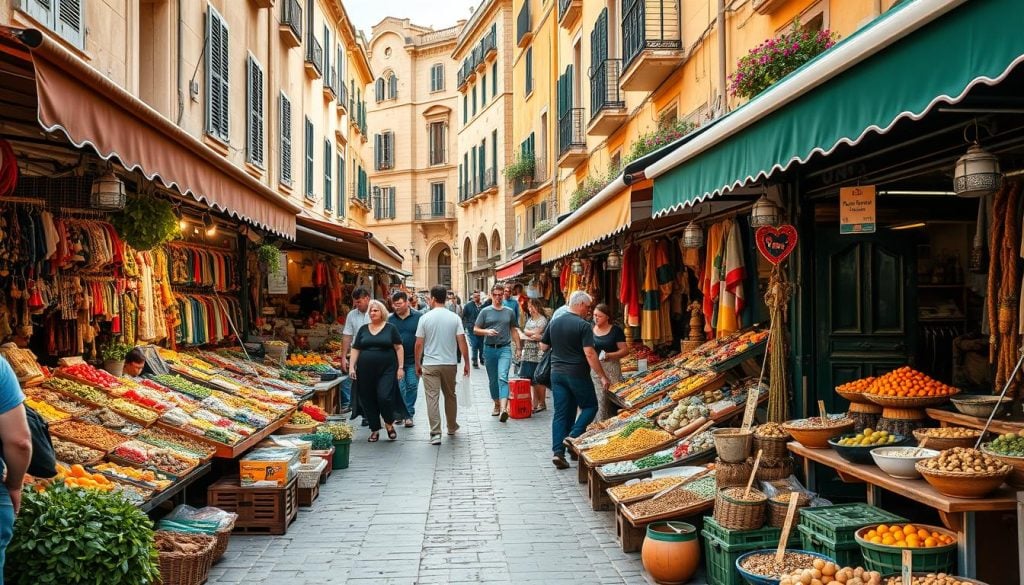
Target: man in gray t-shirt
(498, 326)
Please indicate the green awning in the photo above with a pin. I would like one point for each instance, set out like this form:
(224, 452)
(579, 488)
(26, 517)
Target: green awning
(919, 54)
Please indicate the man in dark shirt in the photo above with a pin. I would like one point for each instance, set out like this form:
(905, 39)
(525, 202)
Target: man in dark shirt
(405, 319)
(469, 315)
(570, 340)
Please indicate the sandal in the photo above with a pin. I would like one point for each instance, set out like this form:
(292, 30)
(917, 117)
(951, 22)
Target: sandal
(374, 437)
(537, 409)
(392, 434)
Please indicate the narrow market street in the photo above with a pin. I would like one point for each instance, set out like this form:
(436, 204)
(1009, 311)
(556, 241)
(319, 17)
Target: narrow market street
(485, 507)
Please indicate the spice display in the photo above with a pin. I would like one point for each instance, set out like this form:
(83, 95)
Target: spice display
(58, 401)
(633, 426)
(179, 384)
(906, 536)
(694, 445)
(771, 430)
(619, 468)
(641, 439)
(691, 385)
(87, 393)
(72, 453)
(685, 413)
(964, 460)
(868, 438)
(109, 419)
(723, 349)
(674, 500)
(647, 389)
(176, 441)
(644, 487)
(1010, 444)
(929, 579)
(143, 454)
(301, 419)
(87, 434)
(828, 573)
(950, 433)
(765, 565)
(91, 375)
(740, 494)
(654, 460)
(132, 410)
(907, 382)
(157, 480)
(49, 413)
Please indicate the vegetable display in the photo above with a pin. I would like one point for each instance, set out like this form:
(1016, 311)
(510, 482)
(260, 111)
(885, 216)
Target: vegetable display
(91, 375)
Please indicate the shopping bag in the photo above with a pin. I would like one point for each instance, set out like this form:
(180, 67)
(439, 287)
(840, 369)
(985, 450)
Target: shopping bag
(463, 392)
(542, 375)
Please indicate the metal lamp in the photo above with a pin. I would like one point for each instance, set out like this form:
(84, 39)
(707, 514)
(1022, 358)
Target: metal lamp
(556, 270)
(693, 236)
(211, 226)
(976, 173)
(107, 192)
(577, 267)
(764, 213)
(614, 261)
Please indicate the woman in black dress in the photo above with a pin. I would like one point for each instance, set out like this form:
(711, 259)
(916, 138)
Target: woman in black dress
(376, 352)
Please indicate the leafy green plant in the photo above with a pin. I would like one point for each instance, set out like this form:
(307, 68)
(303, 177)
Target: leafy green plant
(269, 256)
(146, 222)
(542, 227)
(651, 141)
(776, 58)
(591, 186)
(115, 351)
(73, 536)
(339, 431)
(521, 168)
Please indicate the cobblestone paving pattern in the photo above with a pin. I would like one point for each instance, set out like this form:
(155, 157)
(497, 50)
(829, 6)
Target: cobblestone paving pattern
(486, 506)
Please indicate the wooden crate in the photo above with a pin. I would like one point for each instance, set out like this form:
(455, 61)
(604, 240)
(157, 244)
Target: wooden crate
(631, 538)
(597, 491)
(327, 456)
(306, 496)
(260, 510)
(583, 471)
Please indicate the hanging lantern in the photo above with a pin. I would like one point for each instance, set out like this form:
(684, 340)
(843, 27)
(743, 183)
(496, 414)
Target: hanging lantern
(107, 192)
(976, 173)
(556, 270)
(577, 267)
(693, 236)
(211, 226)
(614, 261)
(764, 213)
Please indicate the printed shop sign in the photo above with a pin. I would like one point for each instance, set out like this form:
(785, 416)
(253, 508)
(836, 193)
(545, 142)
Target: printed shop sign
(857, 210)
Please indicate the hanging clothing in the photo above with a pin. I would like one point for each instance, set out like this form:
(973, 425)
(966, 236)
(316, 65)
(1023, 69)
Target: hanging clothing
(711, 277)
(666, 277)
(629, 288)
(650, 322)
(731, 296)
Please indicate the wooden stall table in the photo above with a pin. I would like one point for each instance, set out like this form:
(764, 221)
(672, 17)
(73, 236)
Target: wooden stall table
(958, 514)
(631, 531)
(597, 489)
(948, 418)
(326, 394)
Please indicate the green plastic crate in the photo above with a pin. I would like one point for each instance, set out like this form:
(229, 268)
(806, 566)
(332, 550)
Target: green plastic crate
(837, 524)
(720, 556)
(887, 560)
(845, 554)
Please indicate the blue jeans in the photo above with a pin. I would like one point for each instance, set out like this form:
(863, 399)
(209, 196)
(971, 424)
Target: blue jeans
(408, 386)
(346, 393)
(6, 526)
(476, 346)
(571, 393)
(498, 361)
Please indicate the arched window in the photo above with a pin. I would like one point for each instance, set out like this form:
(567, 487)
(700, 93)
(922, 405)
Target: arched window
(393, 87)
(379, 86)
(495, 244)
(437, 77)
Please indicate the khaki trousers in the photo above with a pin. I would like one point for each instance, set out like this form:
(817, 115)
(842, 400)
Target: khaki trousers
(438, 380)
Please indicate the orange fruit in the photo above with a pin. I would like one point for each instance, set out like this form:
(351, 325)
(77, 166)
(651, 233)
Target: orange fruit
(930, 542)
(876, 539)
(882, 529)
(909, 529)
(889, 540)
(922, 533)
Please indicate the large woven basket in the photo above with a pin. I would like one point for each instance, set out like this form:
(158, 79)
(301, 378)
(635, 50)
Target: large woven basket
(964, 485)
(771, 447)
(309, 473)
(290, 429)
(909, 402)
(223, 536)
(774, 469)
(943, 443)
(777, 510)
(184, 568)
(736, 514)
(732, 474)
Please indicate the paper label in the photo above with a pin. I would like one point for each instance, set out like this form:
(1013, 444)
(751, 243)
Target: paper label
(857, 210)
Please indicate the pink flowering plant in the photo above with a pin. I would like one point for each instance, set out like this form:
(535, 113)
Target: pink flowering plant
(776, 58)
(651, 141)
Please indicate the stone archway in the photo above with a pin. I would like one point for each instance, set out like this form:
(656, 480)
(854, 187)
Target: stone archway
(440, 265)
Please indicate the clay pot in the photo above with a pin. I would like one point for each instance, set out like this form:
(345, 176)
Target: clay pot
(671, 552)
(114, 367)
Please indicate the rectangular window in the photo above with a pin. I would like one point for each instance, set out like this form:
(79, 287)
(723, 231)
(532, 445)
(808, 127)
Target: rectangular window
(286, 140)
(384, 151)
(327, 57)
(328, 187)
(437, 202)
(474, 100)
(494, 77)
(218, 88)
(341, 185)
(494, 151)
(254, 127)
(529, 70)
(437, 77)
(483, 89)
(438, 143)
(309, 158)
(384, 203)
(64, 17)
(465, 109)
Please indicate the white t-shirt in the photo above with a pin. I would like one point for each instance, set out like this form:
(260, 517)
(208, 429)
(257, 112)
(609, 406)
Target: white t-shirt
(440, 329)
(354, 321)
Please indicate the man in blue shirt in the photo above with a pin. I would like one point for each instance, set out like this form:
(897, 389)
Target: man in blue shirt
(405, 319)
(469, 314)
(15, 452)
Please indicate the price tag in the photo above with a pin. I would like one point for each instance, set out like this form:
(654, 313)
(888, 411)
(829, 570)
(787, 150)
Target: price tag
(748, 415)
(794, 500)
(908, 565)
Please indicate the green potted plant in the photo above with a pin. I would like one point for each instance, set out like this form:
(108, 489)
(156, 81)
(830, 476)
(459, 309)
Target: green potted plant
(521, 169)
(270, 257)
(113, 355)
(542, 227)
(776, 58)
(341, 434)
(66, 536)
(146, 222)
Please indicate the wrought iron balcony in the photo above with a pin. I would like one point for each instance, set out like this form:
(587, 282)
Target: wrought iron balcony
(330, 84)
(524, 26)
(490, 179)
(572, 143)
(342, 91)
(291, 23)
(652, 45)
(607, 104)
(314, 58)
(538, 178)
(436, 210)
(569, 12)
(489, 44)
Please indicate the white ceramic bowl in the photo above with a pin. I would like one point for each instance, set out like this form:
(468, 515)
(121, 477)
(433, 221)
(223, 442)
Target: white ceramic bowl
(900, 467)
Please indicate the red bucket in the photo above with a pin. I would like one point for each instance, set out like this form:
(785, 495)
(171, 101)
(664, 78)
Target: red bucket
(520, 398)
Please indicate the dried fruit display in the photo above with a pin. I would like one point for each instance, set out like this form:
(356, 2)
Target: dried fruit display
(72, 453)
(87, 434)
(158, 481)
(109, 419)
(58, 400)
(134, 411)
(49, 413)
(644, 487)
(76, 476)
(78, 389)
(691, 385)
(950, 433)
(930, 579)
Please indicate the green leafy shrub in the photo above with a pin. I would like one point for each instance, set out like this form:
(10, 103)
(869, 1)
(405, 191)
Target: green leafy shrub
(271, 257)
(651, 141)
(542, 227)
(73, 536)
(146, 222)
(776, 58)
(521, 168)
(339, 431)
(115, 351)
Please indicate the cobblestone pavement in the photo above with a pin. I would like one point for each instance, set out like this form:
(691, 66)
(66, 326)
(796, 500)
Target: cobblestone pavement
(486, 506)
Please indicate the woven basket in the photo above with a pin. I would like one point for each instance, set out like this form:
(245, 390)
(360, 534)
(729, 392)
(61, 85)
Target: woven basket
(775, 469)
(180, 568)
(309, 473)
(772, 447)
(297, 429)
(963, 485)
(736, 514)
(943, 443)
(777, 510)
(732, 474)
(223, 535)
(853, 397)
(907, 402)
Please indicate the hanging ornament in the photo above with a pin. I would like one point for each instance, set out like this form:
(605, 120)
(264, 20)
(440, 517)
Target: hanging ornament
(765, 213)
(693, 236)
(776, 243)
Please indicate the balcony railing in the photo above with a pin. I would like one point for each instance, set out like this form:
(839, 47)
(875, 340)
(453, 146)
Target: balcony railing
(331, 84)
(604, 87)
(489, 43)
(649, 24)
(490, 179)
(524, 25)
(539, 177)
(461, 76)
(342, 91)
(291, 16)
(469, 189)
(570, 131)
(315, 55)
(435, 210)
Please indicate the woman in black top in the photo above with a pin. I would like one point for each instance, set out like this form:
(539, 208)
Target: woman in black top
(610, 345)
(376, 352)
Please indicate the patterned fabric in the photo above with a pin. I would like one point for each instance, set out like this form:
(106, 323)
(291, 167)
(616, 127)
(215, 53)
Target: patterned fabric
(531, 349)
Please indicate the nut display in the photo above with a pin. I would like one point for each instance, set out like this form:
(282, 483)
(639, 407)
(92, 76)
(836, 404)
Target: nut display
(816, 422)
(828, 573)
(929, 579)
(1010, 444)
(72, 453)
(964, 460)
(765, 565)
(88, 434)
(674, 500)
(907, 536)
(644, 487)
(771, 431)
(868, 438)
(950, 433)
(641, 439)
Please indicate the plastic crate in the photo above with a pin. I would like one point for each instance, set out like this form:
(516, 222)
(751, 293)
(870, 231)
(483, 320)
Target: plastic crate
(720, 557)
(837, 524)
(520, 408)
(760, 538)
(845, 554)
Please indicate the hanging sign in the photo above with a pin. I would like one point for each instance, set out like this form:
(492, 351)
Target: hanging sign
(857, 210)
(776, 243)
(277, 283)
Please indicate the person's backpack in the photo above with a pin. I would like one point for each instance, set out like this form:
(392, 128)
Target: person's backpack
(44, 461)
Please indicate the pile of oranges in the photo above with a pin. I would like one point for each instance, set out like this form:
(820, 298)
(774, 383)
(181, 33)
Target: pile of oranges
(77, 476)
(907, 536)
(907, 382)
(305, 359)
(861, 385)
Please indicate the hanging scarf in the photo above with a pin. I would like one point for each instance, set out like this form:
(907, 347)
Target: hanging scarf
(731, 295)
(629, 288)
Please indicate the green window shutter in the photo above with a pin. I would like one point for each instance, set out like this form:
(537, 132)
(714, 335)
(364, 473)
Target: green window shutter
(379, 89)
(494, 152)
(529, 70)
(328, 187)
(494, 76)
(68, 22)
(391, 203)
(217, 76)
(286, 140)
(254, 118)
(341, 186)
(309, 158)
(483, 89)
(393, 87)
(376, 151)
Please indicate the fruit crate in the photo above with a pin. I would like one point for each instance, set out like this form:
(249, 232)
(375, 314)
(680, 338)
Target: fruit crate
(720, 556)
(261, 510)
(837, 524)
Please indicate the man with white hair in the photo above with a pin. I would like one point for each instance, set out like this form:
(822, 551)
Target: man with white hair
(570, 339)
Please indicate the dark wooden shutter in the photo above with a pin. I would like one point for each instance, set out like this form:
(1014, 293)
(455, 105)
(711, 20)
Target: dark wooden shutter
(254, 126)
(379, 87)
(393, 87)
(341, 186)
(286, 140)
(328, 187)
(309, 158)
(217, 76)
(389, 147)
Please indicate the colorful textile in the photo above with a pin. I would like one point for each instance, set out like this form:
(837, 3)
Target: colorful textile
(629, 288)
(731, 296)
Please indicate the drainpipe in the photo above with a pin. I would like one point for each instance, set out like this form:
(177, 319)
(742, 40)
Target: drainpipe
(723, 104)
(181, 80)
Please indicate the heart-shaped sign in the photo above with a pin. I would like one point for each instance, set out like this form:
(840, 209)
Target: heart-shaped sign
(776, 243)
